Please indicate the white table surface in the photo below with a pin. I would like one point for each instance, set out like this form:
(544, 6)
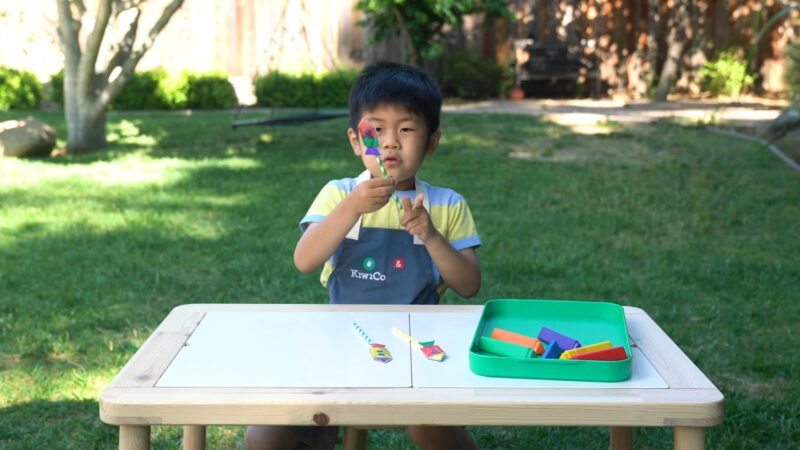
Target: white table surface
(321, 349)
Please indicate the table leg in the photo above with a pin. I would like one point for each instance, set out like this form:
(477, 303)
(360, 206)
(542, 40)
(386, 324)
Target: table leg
(621, 438)
(690, 438)
(355, 438)
(194, 437)
(134, 437)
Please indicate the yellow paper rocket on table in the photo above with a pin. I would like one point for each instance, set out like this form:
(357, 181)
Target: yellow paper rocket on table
(429, 349)
(379, 352)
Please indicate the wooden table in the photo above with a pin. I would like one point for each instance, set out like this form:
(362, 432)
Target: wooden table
(687, 401)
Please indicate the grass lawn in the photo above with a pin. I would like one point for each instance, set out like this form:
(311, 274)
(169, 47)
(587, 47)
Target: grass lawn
(700, 230)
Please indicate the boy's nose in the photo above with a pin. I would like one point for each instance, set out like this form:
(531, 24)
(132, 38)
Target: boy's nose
(388, 140)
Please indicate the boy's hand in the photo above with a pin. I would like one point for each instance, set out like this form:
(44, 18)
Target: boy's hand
(372, 194)
(416, 219)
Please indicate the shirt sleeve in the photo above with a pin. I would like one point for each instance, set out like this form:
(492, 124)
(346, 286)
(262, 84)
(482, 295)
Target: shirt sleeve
(326, 200)
(461, 231)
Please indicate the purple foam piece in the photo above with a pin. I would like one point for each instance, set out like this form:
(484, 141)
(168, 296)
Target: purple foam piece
(373, 151)
(565, 342)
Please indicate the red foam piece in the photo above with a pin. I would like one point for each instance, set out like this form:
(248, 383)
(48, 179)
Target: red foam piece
(608, 354)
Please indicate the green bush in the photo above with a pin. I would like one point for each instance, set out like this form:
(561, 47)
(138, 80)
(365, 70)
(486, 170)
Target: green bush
(156, 89)
(277, 89)
(56, 91)
(334, 88)
(144, 90)
(792, 73)
(205, 91)
(469, 76)
(19, 89)
(726, 75)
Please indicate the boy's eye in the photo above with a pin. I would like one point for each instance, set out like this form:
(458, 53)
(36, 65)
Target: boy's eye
(406, 130)
(378, 130)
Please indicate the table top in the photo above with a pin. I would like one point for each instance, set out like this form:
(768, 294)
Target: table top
(175, 377)
(321, 350)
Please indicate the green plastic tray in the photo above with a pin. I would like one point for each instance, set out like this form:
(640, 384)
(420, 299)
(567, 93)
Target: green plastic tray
(588, 322)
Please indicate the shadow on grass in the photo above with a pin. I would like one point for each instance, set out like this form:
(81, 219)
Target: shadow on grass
(72, 424)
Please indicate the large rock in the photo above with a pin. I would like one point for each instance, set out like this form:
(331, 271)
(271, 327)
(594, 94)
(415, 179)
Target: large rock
(27, 137)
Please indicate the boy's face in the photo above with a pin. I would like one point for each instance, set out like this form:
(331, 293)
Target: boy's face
(403, 140)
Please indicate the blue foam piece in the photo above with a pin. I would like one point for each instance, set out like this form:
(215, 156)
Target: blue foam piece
(553, 351)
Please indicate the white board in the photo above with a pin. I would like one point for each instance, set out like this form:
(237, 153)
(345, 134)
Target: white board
(454, 331)
(318, 349)
(290, 349)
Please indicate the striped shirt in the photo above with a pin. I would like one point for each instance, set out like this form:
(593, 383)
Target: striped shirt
(448, 210)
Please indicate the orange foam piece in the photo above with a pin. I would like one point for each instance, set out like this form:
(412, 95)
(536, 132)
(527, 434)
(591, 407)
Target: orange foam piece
(519, 339)
(608, 354)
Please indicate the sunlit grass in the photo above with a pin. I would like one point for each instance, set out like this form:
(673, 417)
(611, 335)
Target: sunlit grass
(95, 250)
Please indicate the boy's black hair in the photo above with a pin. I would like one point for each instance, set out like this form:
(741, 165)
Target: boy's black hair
(396, 84)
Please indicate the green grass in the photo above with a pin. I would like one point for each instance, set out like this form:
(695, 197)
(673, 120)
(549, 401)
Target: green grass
(699, 230)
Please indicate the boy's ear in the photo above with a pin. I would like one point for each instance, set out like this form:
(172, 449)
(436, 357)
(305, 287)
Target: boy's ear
(355, 141)
(433, 142)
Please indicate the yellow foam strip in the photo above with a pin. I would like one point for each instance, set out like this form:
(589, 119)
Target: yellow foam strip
(586, 349)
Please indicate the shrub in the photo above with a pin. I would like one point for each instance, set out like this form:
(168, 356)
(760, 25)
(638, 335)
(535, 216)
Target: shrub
(471, 77)
(156, 89)
(792, 73)
(206, 91)
(277, 89)
(56, 92)
(19, 89)
(726, 75)
(144, 90)
(334, 88)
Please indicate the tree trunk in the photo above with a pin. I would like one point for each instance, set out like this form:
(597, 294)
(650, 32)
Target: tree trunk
(87, 131)
(676, 44)
(87, 91)
(86, 123)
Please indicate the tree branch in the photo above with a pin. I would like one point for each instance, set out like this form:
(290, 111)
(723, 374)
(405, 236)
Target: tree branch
(80, 6)
(113, 88)
(122, 50)
(86, 70)
(68, 29)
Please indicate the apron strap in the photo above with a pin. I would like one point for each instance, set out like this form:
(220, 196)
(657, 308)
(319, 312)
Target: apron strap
(418, 185)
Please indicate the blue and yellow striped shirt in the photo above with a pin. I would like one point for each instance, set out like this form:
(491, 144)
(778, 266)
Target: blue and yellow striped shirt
(448, 210)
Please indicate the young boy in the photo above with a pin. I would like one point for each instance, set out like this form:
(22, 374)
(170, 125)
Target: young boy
(374, 252)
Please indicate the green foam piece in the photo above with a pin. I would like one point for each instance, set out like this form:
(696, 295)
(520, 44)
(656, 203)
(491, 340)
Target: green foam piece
(503, 348)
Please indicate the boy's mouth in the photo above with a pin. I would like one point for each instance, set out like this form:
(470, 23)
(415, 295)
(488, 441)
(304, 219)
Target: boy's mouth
(391, 161)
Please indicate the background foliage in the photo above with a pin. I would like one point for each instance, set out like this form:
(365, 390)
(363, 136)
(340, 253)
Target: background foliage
(327, 90)
(726, 75)
(157, 90)
(19, 89)
(471, 77)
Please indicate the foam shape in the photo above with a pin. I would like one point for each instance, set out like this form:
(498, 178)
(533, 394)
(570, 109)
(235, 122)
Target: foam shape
(569, 354)
(553, 351)
(367, 130)
(519, 339)
(503, 348)
(609, 354)
(549, 336)
(433, 352)
(380, 354)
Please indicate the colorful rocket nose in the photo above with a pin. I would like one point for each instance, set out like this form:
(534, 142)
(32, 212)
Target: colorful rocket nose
(366, 129)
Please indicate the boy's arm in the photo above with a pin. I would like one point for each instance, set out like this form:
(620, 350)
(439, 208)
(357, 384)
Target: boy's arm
(459, 269)
(321, 240)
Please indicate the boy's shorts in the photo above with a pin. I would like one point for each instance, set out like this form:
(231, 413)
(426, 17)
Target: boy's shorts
(315, 437)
